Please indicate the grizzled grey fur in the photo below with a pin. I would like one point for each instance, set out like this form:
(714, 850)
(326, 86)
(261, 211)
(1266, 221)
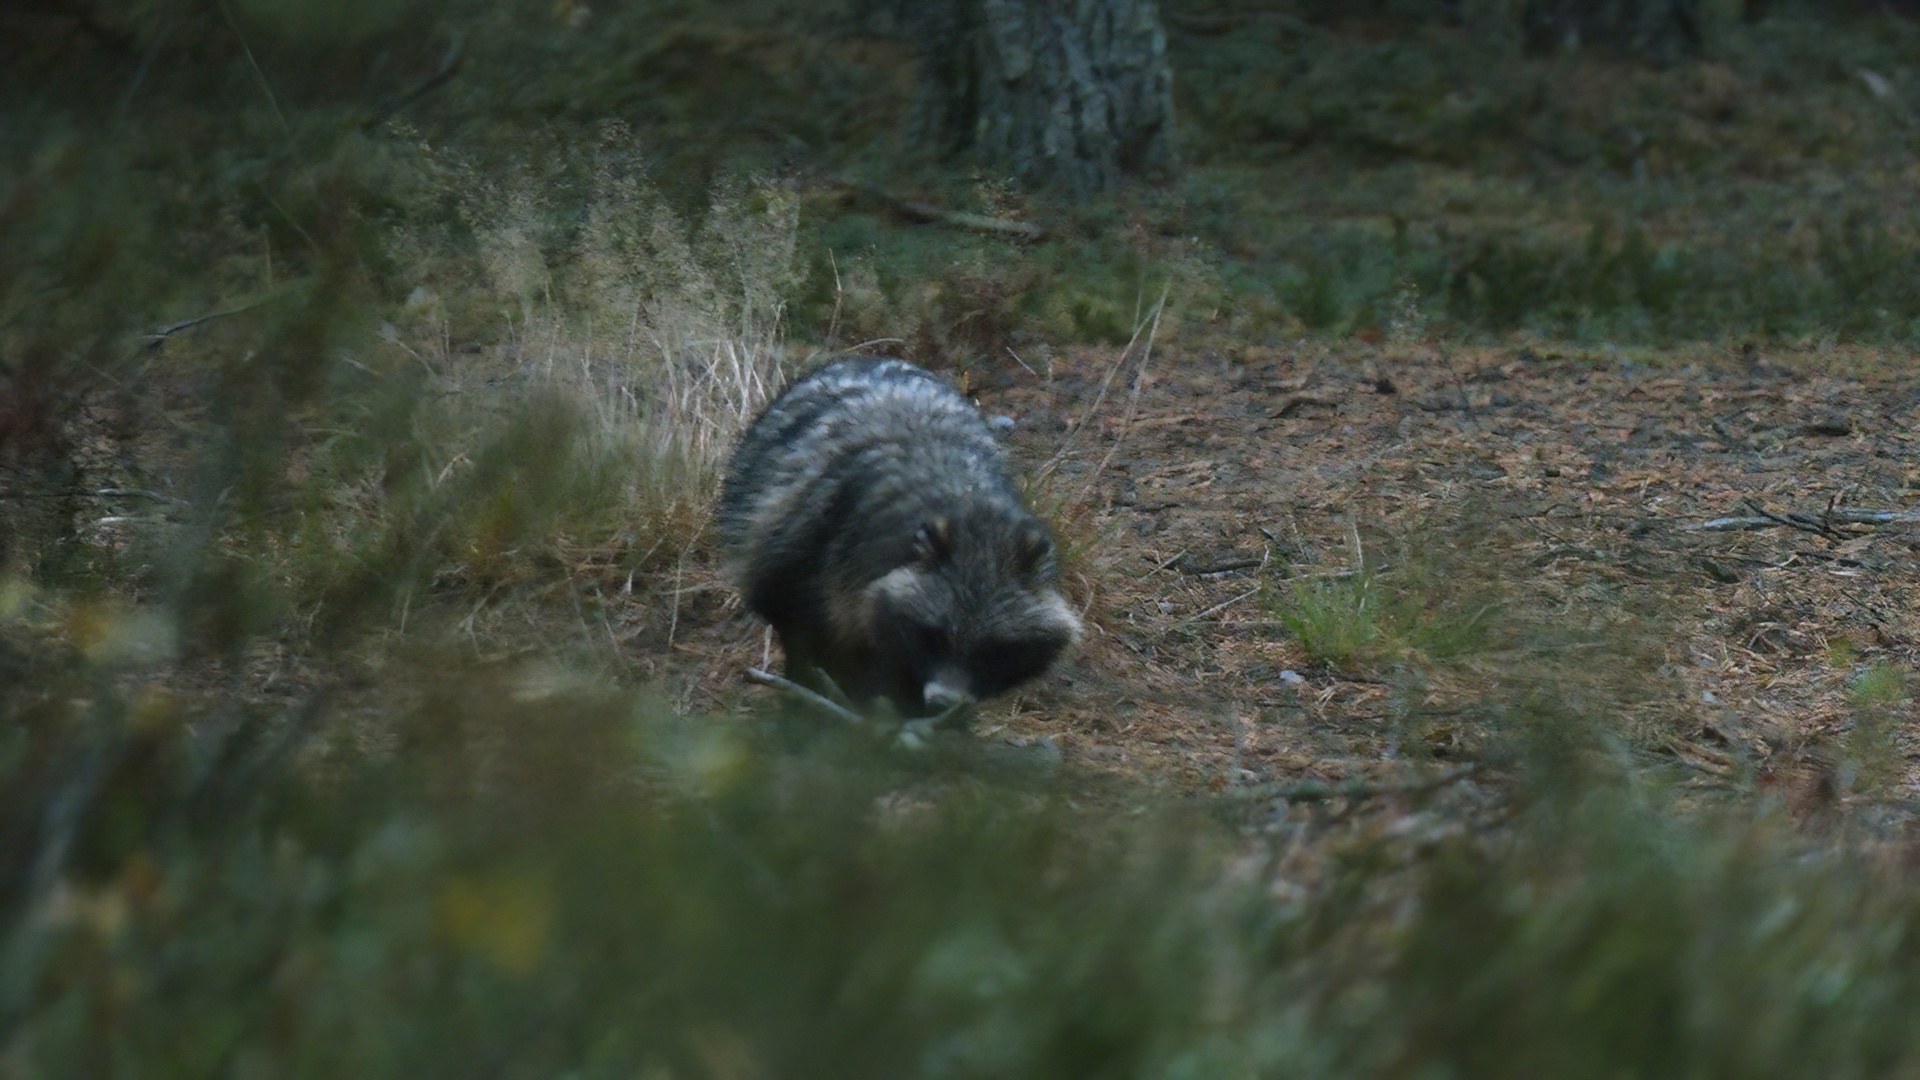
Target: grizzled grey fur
(870, 516)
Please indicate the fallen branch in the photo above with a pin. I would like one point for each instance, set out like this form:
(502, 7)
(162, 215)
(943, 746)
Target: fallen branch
(1792, 521)
(1294, 401)
(103, 493)
(927, 213)
(913, 733)
(1324, 790)
(811, 697)
(1823, 523)
(159, 336)
(450, 62)
(1222, 605)
(1857, 516)
(1225, 567)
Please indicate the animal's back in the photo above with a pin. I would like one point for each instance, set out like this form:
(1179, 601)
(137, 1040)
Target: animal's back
(862, 439)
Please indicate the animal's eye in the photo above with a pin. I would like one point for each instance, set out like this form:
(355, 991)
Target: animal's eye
(933, 543)
(1032, 546)
(1004, 665)
(933, 639)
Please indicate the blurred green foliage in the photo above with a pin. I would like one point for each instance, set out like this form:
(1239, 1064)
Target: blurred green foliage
(350, 353)
(545, 874)
(1369, 617)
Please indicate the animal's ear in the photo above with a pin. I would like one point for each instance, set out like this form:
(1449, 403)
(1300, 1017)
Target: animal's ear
(933, 544)
(1032, 546)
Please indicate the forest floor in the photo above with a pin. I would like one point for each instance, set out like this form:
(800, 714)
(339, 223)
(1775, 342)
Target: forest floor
(374, 702)
(1339, 597)
(1487, 525)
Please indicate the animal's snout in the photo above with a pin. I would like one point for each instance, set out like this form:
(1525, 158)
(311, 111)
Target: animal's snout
(945, 692)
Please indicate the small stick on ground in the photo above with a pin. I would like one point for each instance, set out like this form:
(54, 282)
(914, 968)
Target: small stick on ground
(833, 691)
(1223, 605)
(160, 335)
(1294, 401)
(1796, 521)
(1839, 516)
(921, 727)
(957, 711)
(450, 62)
(1322, 790)
(929, 214)
(817, 700)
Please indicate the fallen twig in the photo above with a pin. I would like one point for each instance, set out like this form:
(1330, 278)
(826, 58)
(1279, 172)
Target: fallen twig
(912, 734)
(258, 75)
(450, 62)
(159, 336)
(1025, 230)
(103, 493)
(927, 213)
(1793, 521)
(1325, 790)
(1766, 519)
(1224, 567)
(1294, 401)
(1857, 516)
(811, 697)
(1224, 604)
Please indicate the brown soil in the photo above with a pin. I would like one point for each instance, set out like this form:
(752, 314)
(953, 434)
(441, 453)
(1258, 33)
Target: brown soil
(1569, 487)
(1564, 489)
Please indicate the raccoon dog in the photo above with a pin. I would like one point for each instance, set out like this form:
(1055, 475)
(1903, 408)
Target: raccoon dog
(869, 515)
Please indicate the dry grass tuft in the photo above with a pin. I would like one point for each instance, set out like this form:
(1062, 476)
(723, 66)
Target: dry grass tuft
(660, 331)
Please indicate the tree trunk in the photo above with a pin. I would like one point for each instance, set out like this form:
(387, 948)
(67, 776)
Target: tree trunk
(1663, 31)
(1069, 92)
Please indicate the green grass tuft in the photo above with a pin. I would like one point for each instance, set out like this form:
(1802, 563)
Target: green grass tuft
(1374, 617)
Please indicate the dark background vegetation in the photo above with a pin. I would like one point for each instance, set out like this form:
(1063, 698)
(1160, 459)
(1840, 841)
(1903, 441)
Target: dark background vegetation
(357, 358)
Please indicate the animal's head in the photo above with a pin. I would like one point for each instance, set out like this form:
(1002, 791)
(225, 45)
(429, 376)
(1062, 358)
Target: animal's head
(970, 611)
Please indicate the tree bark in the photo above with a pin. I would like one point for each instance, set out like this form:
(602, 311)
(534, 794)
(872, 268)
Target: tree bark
(1663, 31)
(1075, 93)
